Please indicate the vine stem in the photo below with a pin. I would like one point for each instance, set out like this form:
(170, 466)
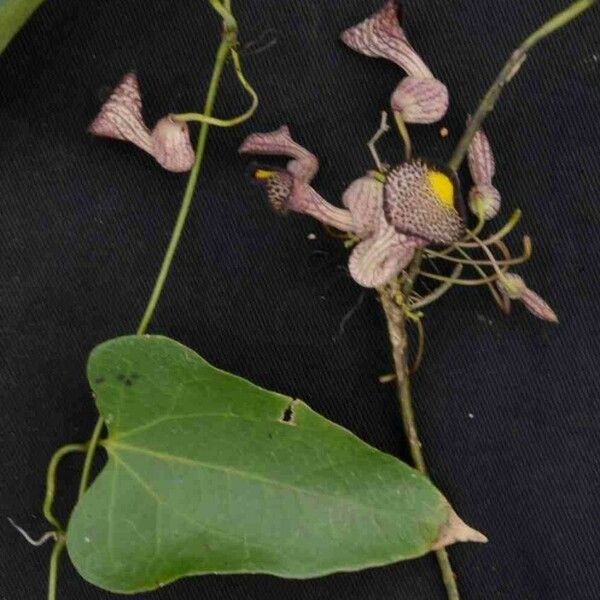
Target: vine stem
(228, 42)
(396, 325)
(509, 70)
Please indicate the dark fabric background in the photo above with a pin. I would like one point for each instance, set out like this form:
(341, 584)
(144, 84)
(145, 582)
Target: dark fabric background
(85, 223)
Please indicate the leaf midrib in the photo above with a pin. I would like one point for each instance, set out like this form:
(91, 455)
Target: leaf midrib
(111, 445)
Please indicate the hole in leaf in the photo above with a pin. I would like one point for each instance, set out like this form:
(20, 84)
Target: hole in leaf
(288, 415)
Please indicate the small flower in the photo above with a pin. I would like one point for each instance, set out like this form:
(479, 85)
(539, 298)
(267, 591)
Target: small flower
(513, 287)
(419, 98)
(171, 145)
(120, 118)
(484, 198)
(414, 207)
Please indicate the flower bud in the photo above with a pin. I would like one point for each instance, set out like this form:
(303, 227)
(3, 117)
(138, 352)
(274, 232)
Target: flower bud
(171, 145)
(419, 100)
(512, 286)
(484, 200)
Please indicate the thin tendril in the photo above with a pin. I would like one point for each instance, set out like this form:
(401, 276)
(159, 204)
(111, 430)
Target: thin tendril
(51, 481)
(206, 118)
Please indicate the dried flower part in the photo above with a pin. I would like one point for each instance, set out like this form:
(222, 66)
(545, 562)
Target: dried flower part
(422, 200)
(482, 164)
(381, 257)
(288, 194)
(484, 199)
(171, 145)
(121, 115)
(420, 100)
(304, 165)
(364, 199)
(512, 286)
(382, 36)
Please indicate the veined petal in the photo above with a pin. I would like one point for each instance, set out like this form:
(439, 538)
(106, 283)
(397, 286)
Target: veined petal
(288, 194)
(482, 164)
(364, 199)
(420, 100)
(381, 35)
(304, 165)
(171, 145)
(121, 115)
(484, 199)
(381, 257)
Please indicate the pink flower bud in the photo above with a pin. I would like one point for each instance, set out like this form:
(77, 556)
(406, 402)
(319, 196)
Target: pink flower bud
(482, 164)
(171, 145)
(121, 115)
(419, 100)
(512, 286)
(484, 199)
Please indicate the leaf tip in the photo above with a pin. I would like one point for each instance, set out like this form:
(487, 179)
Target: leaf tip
(456, 530)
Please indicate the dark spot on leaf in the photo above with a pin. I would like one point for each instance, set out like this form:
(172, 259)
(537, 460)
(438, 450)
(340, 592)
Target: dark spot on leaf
(128, 382)
(121, 377)
(270, 435)
(99, 380)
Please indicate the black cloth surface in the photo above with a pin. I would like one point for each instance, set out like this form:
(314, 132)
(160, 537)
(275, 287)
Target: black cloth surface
(507, 407)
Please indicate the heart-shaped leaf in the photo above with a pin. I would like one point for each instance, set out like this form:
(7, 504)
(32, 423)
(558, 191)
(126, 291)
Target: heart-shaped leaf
(13, 15)
(209, 473)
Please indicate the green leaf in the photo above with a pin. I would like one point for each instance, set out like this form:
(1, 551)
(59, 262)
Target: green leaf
(13, 15)
(209, 473)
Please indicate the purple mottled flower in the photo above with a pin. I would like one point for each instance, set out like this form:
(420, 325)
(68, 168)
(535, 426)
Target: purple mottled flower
(120, 118)
(419, 98)
(412, 208)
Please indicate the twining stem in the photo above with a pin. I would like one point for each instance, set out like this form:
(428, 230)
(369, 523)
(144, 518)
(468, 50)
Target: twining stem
(89, 456)
(188, 196)
(51, 481)
(53, 570)
(509, 70)
(396, 324)
(204, 118)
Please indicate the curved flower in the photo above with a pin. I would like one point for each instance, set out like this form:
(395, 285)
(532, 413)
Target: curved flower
(120, 118)
(420, 98)
(414, 207)
(484, 198)
(512, 287)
